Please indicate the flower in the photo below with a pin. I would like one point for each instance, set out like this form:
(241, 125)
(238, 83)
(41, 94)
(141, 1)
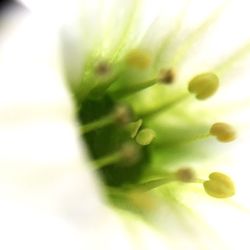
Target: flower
(138, 140)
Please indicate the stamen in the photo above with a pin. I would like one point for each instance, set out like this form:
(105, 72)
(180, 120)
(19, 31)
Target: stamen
(122, 114)
(165, 76)
(133, 88)
(108, 160)
(223, 132)
(103, 122)
(204, 85)
(147, 186)
(138, 59)
(219, 185)
(181, 142)
(145, 136)
(133, 128)
(128, 155)
(181, 175)
(163, 107)
(100, 89)
(106, 75)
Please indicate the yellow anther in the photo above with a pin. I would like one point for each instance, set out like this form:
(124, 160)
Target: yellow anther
(145, 136)
(138, 59)
(223, 132)
(204, 85)
(133, 128)
(141, 199)
(219, 185)
(185, 175)
(167, 76)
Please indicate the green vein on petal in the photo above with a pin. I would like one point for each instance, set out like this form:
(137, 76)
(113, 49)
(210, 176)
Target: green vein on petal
(127, 28)
(226, 65)
(196, 35)
(168, 39)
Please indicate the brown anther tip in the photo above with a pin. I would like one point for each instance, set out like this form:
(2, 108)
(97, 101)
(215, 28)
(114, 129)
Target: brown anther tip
(131, 154)
(102, 69)
(167, 76)
(123, 114)
(185, 175)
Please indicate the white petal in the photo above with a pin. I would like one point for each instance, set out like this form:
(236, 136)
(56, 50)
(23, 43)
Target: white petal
(49, 198)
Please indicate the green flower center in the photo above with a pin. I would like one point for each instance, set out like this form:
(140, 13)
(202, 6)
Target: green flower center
(120, 139)
(123, 92)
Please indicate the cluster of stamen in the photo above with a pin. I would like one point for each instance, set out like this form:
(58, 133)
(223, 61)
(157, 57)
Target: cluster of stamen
(137, 138)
